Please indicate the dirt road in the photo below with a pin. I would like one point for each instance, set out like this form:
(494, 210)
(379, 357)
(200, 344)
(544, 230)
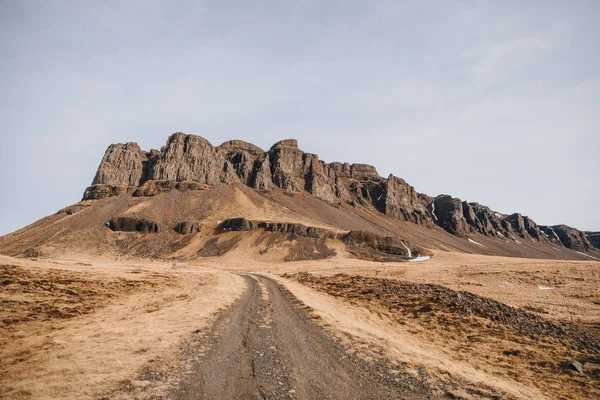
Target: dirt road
(267, 347)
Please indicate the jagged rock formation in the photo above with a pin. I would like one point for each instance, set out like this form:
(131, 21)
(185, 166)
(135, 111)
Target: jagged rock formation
(593, 238)
(128, 224)
(568, 237)
(189, 162)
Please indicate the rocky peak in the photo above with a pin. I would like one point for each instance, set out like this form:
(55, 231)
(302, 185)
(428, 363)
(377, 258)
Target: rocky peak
(286, 143)
(239, 146)
(568, 237)
(122, 164)
(126, 169)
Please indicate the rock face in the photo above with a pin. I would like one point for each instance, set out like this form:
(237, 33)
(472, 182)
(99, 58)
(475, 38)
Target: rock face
(389, 245)
(122, 164)
(191, 158)
(569, 237)
(401, 201)
(128, 224)
(593, 238)
(187, 228)
(450, 216)
(101, 191)
(189, 162)
(238, 224)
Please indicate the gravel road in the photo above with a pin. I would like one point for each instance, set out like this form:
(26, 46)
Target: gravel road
(267, 347)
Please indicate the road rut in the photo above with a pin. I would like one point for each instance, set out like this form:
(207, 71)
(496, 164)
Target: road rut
(267, 347)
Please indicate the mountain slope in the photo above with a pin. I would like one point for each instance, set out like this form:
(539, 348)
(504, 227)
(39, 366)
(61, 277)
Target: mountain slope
(172, 203)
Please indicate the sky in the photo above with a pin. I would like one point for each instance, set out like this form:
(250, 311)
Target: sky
(496, 102)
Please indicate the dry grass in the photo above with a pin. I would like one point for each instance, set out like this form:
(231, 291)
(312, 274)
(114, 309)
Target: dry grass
(501, 340)
(99, 329)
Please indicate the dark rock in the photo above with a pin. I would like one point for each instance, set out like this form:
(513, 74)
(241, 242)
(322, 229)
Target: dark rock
(593, 238)
(129, 224)
(317, 233)
(187, 228)
(512, 352)
(450, 216)
(102, 191)
(262, 178)
(238, 224)
(568, 237)
(401, 201)
(389, 245)
(572, 366)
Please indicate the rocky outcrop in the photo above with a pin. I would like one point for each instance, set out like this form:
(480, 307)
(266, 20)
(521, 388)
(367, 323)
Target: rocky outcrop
(401, 201)
(187, 228)
(122, 164)
(129, 224)
(243, 224)
(152, 188)
(450, 216)
(568, 237)
(388, 245)
(192, 158)
(101, 191)
(189, 162)
(593, 238)
(238, 224)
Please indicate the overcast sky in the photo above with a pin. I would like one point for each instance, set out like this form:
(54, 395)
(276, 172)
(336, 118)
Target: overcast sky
(490, 101)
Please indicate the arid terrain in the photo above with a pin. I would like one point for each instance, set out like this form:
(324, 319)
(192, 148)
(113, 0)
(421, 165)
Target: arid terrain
(455, 326)
(228, 272)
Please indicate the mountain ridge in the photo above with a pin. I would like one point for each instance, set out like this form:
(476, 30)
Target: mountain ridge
(191, 158)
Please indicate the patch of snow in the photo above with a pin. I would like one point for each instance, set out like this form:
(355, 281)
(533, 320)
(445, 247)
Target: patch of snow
(542, 287)
(420, 258)
(556, 236)
(498, 215)
(474, 242)
(499, 233)
(587, 255)
(433, 210)
(379, 198)
(407, 249)
(517, 241)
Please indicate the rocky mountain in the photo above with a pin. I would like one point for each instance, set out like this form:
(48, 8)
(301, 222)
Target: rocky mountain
(191, 199)
(189, 160)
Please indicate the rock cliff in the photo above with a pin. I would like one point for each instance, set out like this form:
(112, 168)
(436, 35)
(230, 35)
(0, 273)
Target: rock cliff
(189, 162)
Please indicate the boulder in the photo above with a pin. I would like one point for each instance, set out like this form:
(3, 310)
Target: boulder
(575, 366)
